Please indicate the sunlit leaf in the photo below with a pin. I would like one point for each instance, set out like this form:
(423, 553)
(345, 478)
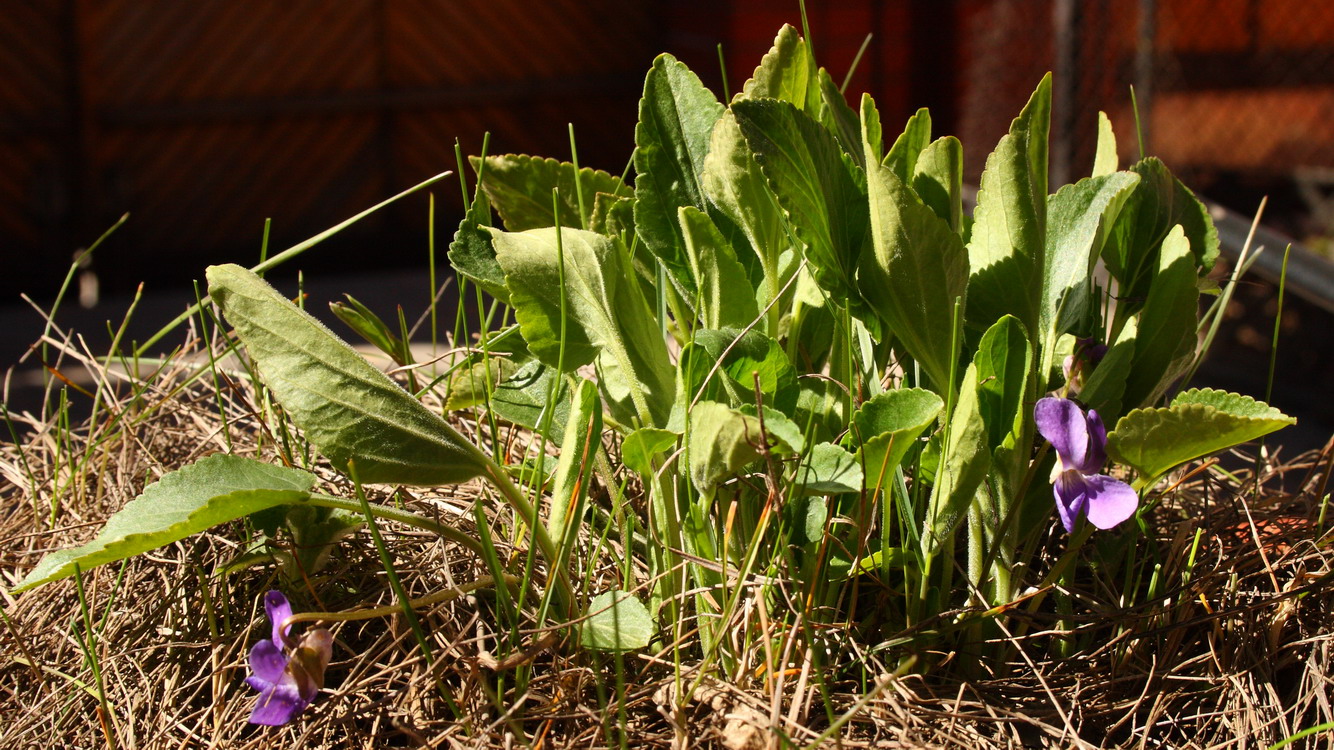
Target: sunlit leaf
(1197, 423)
(212, 491)
(519, 187)
(617, 622)
(345, 406)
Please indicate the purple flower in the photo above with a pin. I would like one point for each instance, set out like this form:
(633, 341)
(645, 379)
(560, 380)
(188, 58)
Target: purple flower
(286, 684)
(1081, 450)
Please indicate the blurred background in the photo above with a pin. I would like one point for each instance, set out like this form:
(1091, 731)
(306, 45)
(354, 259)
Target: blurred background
(202, 119)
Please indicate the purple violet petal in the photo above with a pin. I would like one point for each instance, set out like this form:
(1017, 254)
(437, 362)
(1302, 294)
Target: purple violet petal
(1062, 423)
(1096, 457)
(1071, 498)
(266, 665)
(279, 609)
(1110, 501)
(278, 705)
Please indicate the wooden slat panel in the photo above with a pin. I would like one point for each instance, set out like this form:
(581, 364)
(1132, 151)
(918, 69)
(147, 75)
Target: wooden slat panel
(146, 52)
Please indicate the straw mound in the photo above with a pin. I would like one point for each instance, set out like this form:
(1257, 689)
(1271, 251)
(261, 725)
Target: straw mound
(1232, 651)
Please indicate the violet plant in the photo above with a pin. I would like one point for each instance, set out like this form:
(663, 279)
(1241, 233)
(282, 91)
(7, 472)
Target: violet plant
(814, 364)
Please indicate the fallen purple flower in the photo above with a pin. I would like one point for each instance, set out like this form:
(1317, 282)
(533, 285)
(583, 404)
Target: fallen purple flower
(1081, 451)
(286, 684)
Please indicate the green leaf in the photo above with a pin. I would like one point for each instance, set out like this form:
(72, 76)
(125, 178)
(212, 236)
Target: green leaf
(886, 427)
(748, 355)
(725, 297)
(838, 117)
(214, 490)
(1079, 218)
(938, 180)
(641, 446)
(606, 316)
(735, 184)
(1105, 159)
(1006, 248)
(676, 118)
(720, 441)
(1199, 422)
(965, 461)
(814, 518)
(315, 532)
(519, 186)
(473, 385)
(1165, 343)
(583, 436)
(1159, 203)
(785, 433)
(345, 406)
(828, 470)
(917, 269)
(368, 325)
(525, 398)
(786, 71)
(902, 156)
(1002, 360)
(873, 138)
(472, 254)
(617, 622)
(822, 191)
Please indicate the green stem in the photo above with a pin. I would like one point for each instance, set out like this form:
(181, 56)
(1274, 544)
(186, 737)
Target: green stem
(438, 597)
(401, 516)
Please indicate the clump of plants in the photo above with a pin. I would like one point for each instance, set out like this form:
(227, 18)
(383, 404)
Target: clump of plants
(801, 401)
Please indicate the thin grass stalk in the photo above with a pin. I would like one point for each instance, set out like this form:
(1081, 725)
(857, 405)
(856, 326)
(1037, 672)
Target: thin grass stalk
(89, 645)
(290, 253)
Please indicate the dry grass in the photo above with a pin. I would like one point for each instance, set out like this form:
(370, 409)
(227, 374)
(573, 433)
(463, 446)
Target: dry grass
(1235, 653)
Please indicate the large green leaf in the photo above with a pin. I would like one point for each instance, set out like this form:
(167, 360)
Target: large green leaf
(902, 155)
(887, 425)
(917, 269)
(822, 191)
(526, 398)
(345, 406)
(965, 461)
(720, 441)
(583, 436)
(838, 117)
(472, 254)
(214, 490)
(1165, 343)
(786, 71)
(1159, 203)
(724, 297)
(829, 469)
(1003, 358)
(641, 446)
(736, 185)
(617, 622)
(520, 186)
(1198, 422)
(748, 358)
(938, 180)
(606, 316)
(1079, 218)
(1006, 249)
(676, 117)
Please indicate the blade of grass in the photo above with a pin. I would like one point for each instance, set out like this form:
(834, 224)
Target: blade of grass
(292, 252)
